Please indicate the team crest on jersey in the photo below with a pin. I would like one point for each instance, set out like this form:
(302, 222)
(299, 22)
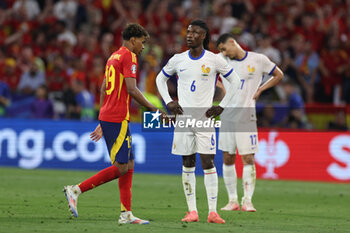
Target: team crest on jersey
(133, 69)
(251, 70)
(205, 70)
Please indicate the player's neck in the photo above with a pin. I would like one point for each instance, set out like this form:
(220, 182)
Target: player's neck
(196, 52)
(240, 54)
(128, 45)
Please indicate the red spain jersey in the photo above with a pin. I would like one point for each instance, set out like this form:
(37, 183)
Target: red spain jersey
(121, 64)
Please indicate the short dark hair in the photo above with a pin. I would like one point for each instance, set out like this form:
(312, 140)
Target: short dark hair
(134, 30)
(223, 38)
(203, 25)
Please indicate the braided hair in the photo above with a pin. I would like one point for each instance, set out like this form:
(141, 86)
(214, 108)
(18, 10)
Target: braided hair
(203, 25)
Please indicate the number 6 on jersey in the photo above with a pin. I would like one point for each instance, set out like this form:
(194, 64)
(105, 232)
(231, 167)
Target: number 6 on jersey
(193, 87)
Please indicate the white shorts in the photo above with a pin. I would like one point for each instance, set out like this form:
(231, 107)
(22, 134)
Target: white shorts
(188, 143)
(246, 142)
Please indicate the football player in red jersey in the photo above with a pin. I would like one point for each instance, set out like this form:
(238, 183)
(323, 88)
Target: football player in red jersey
(118, 87)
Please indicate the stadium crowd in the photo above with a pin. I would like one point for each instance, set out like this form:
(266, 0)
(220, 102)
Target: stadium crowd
(53, 52)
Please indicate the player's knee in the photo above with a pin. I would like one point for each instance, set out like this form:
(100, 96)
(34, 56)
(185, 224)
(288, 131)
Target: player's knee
(207, 164)
(248, 159)
(123, 168)
(229, 159)
(189, 161)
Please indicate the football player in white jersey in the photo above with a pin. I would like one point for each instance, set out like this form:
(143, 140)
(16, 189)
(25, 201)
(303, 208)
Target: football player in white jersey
(196, 69)
(239, 129)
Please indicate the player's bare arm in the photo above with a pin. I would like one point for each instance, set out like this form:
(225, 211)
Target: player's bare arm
(96, 134)
(137, 94)
(277, 75)
(175, 108)
(162, 86)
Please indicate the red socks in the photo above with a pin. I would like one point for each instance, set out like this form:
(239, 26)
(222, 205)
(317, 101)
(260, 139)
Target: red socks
(108, 174)
(104, 176)
(125, 183)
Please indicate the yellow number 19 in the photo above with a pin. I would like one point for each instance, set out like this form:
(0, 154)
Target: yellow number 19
(128, 138)
(110, 78)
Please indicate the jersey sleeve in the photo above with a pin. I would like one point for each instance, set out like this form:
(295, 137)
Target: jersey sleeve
(267, 66)
(222, 66)
(170, 68)
(129, 65)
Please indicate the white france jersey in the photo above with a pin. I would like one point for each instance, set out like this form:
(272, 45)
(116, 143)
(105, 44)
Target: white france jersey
(196, 77)
(250, 70)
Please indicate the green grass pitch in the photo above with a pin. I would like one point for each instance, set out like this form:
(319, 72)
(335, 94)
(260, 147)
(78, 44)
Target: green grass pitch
(33, 201)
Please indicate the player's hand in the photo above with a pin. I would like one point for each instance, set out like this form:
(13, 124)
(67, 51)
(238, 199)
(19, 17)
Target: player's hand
(97, 134)
(214, 111)
(257, 94)
(175, 108)
(164, 116)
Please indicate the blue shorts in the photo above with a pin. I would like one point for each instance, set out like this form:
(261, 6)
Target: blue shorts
(118, 140)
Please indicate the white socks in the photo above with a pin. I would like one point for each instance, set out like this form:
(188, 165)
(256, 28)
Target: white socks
(249, 178)
(230, 179)
(189, 184)
(211, 186)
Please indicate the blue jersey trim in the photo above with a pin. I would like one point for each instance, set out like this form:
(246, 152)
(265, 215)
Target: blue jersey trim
(246, 54)
(196, 58)
(272, 70)
(228, 73)
(169, 76)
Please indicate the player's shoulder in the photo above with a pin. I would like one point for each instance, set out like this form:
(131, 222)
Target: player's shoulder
(120, 54)
(221, 56)
(256, 56)
(215, 57)
(211, 55)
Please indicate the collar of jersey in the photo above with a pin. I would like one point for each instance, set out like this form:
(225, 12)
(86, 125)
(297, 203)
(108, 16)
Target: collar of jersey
(246, 54)
(196, 58)
(126, 48)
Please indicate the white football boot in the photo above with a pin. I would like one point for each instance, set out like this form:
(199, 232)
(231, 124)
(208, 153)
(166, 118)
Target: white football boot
(72, 193)
(128, 217)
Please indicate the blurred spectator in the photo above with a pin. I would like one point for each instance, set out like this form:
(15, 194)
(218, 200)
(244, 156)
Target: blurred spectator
(241, 7)
(70, 103)
(307, 62)
(107, 45)
(65, 10)
(84, 100)
(296, 117)
(57, 78)
(339, 122)
(332, 66)
(95, 78)
(267, 117)
(5, 95)
(227, 21)
(65, 35)
(31, 80)
(29, 8)
(11, 74)
(27, 58)
(42, 107)
(265, 47)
